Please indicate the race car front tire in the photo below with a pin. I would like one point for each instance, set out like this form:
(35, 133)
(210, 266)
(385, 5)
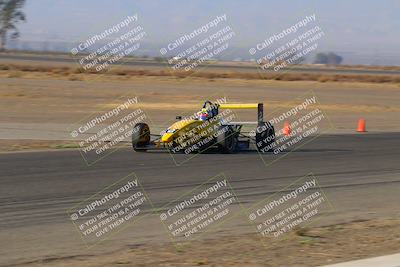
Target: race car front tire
(140, 137)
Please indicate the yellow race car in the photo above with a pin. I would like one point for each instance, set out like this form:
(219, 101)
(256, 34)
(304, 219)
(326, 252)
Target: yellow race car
(213, 127)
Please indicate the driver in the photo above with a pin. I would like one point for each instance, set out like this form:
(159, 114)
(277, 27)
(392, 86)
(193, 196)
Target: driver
(203, 116)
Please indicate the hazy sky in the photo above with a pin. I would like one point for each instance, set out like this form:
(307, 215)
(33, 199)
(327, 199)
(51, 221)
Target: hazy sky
(348, 24)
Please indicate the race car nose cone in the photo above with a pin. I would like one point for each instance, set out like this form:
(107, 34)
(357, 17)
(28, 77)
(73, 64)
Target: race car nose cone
(167, 137)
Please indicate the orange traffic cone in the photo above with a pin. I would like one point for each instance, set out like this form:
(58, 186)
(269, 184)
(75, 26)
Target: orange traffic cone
(286, 129)
(361, 126)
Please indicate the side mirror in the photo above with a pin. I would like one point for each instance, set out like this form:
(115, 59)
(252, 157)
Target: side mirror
(178, 117)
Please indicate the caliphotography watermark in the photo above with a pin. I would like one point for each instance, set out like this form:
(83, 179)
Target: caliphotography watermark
(109, 211)
(288, 47)
(104, 132)
(200, 210)
(199, 46)
(294, 126)
(296, 206)
(210, 129)
(104, 49)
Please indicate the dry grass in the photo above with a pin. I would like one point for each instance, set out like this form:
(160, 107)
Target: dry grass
(318, 246)
(7, 145)
(74, 74)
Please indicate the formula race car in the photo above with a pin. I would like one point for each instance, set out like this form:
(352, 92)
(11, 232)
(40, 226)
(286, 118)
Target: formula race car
(213, 127)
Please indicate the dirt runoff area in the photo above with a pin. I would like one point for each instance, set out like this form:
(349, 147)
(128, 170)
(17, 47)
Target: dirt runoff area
(302, 247)
(37, 109)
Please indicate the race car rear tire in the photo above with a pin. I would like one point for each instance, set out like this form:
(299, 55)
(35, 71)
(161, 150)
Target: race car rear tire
(265, 137)
(140, 137)
(227, 141)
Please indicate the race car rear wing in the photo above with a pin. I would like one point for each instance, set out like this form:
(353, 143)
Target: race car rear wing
(258, 106)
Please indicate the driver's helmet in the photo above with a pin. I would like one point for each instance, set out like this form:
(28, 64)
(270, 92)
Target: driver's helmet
(203, 116)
